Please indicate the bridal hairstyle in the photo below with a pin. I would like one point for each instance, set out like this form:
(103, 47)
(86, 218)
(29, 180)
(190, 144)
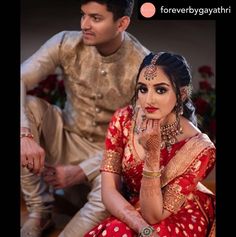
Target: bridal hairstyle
(177, 69)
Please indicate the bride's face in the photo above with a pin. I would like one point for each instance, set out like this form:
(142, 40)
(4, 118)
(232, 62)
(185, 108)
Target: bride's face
(156, 96)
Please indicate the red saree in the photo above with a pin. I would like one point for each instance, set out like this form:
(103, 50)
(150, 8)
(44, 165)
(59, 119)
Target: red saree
(185, 165)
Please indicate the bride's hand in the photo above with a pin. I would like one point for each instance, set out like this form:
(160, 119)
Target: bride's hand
(150, 138)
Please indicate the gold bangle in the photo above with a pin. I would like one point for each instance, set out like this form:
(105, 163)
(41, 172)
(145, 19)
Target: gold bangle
(29, 135)
(152, 174)
(157, 175)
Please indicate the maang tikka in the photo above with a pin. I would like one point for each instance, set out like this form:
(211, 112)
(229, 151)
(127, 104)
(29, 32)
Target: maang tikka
(151, 70)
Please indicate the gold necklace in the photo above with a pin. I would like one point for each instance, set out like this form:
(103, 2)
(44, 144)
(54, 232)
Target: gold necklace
(169, 133)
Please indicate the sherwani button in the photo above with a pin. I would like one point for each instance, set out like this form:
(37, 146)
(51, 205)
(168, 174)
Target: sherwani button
(99, 95)
(91, 139)
(98, 110)
(103, 72)
(94, 124)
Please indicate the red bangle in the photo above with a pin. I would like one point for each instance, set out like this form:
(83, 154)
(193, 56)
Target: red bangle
(29, 135)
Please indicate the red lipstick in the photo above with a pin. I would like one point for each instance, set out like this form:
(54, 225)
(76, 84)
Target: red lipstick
(151, 109)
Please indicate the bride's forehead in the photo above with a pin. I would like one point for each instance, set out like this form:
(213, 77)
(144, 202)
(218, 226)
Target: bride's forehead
(155, 74)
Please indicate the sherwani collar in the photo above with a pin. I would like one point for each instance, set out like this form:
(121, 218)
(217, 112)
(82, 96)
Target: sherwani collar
(118, 54)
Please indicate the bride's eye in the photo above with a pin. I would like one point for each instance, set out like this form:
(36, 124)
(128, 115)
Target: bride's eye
(143, 89)
(161, 90)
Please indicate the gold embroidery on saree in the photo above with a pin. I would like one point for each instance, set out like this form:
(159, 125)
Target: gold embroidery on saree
(111, 162)
(187, 159)
(184, 157)
(173, 199)
(209, 152)
(212, 155)
(112, 138)
(201, 208)
(130, 151)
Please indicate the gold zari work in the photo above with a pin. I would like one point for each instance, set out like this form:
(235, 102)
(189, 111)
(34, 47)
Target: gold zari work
(111, 162)
(173, 198)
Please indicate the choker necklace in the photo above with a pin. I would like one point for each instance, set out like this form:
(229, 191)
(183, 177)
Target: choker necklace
(169, 133)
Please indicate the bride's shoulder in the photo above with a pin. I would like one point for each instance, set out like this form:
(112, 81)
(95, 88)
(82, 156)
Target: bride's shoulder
(188, 129)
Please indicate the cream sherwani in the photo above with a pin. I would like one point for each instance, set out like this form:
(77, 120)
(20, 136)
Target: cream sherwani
(95, 86)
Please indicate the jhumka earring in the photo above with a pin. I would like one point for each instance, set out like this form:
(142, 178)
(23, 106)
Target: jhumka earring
(181, 110)
(151, 70)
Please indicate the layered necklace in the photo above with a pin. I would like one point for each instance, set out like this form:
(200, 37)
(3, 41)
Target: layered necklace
(169, 132)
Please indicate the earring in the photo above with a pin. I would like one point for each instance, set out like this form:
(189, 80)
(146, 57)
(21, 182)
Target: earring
(181, 109)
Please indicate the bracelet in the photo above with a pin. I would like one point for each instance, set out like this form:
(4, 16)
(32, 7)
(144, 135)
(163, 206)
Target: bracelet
(152, 174)
(27, 134)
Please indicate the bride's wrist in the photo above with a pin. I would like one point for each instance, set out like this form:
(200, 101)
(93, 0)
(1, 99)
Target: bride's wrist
(151, 167)
(152, 161)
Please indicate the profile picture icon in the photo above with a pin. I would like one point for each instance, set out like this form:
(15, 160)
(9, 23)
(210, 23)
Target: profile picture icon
(147, 10)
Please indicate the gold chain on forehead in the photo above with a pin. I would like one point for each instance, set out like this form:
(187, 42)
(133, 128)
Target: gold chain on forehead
(151, 70)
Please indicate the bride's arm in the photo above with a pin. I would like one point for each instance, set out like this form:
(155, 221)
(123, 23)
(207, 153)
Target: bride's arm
(117, 205)
(151, 197)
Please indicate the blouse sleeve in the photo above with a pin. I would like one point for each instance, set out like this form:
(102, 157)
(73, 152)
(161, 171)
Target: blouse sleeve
(114, 145)
(176, 192)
